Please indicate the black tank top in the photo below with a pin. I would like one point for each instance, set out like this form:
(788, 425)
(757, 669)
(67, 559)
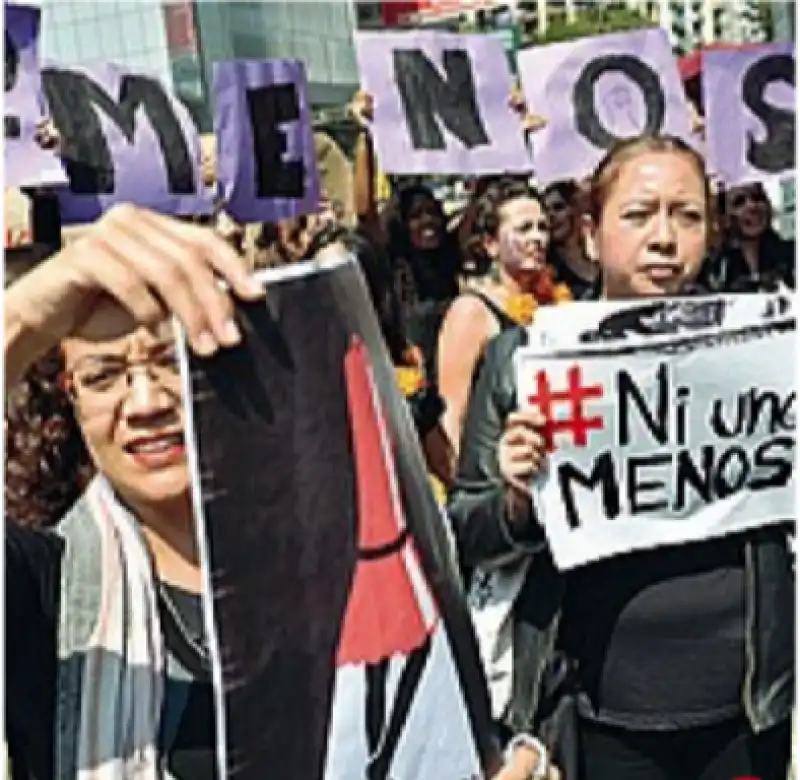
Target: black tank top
(505, 322)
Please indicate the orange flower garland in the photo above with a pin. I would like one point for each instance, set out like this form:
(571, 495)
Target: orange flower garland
(410, 380)
(522, 307)
(410, 376)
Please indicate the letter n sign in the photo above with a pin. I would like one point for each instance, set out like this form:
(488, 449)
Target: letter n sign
(428, 97)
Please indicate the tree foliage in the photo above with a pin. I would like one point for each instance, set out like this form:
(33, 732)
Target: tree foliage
(600, 19)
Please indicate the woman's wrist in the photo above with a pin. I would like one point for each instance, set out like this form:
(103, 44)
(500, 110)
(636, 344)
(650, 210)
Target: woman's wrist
(40, 309)
(530, 755)
(23, 343)
(519, 509)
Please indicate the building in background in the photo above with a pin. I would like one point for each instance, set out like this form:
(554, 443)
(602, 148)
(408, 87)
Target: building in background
(85, 32)
(179, 41)
(694, 23)
(320, 34)
(783, 20)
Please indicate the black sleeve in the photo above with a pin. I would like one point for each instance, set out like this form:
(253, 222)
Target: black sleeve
(788, 265)
(32, 568)
(477, 505)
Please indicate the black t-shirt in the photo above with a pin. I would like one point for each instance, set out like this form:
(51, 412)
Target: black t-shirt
(33, 561)
(659, 636)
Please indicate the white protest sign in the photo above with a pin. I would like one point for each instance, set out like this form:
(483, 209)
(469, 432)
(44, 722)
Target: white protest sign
(598, 90)
(591, 322)
(664, 444)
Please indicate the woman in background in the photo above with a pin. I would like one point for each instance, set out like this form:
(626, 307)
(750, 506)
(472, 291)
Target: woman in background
(511, 238)
(567, 256)
(752, 253)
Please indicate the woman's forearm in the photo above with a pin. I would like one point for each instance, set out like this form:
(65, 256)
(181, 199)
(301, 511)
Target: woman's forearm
(22, 344)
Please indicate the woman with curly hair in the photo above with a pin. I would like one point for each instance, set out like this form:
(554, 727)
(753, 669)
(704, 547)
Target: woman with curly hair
(101, 608)
(107, 665)
(47, 465)
(752, 253)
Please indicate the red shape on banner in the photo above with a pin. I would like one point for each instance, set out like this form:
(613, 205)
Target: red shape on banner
(576, 395)
(384, 616)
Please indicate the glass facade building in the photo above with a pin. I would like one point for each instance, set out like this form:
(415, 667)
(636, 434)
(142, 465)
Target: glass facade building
(320, 34)
(179, 40)
(128, 32)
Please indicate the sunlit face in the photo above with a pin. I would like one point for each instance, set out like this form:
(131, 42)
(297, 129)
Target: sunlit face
(653, 231)
(522, 236)
(425, 223)
(562, 217)
(126, 389)
(748, 210)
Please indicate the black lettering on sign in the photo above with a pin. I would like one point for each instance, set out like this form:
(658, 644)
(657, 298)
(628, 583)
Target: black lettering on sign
(587, 120)
(73, 99)
(781, 467)
(426, 96)
(637, 485)
(779, 411)
(776, 152)
(688, 474)
(629, 395)
(732, 472)
(724, 427)
(603, 475)
(11, 124)
(268, 109)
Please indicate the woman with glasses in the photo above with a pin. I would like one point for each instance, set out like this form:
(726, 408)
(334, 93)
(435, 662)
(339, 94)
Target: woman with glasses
(106, 661)
(95, 443)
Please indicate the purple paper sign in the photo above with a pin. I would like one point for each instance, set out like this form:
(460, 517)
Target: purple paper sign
(441, 103)
(267, 164)
(594, 91)
(749, 100)
(125, 139)
(27, 164)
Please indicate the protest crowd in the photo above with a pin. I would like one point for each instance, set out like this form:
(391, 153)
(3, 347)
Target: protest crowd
(473, 584)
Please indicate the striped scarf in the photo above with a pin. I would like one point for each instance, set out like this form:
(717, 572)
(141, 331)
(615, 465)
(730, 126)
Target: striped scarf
(122, 685)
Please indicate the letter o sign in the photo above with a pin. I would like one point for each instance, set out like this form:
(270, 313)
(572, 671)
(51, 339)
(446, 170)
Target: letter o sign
(587, 121)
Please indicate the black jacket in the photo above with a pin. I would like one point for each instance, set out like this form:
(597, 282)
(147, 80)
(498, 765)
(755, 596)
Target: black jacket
(726, 270)
(485, 537)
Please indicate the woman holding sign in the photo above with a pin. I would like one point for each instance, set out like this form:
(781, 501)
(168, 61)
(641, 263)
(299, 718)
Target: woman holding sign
(107, 661)
(101, 303)
(668, 664)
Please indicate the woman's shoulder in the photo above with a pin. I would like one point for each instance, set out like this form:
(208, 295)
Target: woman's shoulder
(33, 563)
(470, 310)
(32, 542)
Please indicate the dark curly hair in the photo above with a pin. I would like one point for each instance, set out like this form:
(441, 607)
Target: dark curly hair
(568, 189)
(47, 464)
(487, 214)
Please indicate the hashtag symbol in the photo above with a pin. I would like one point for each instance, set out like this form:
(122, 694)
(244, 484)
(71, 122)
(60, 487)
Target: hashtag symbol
(576, 394)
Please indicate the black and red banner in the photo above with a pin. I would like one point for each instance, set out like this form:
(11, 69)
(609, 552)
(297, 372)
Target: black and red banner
(343, 647)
